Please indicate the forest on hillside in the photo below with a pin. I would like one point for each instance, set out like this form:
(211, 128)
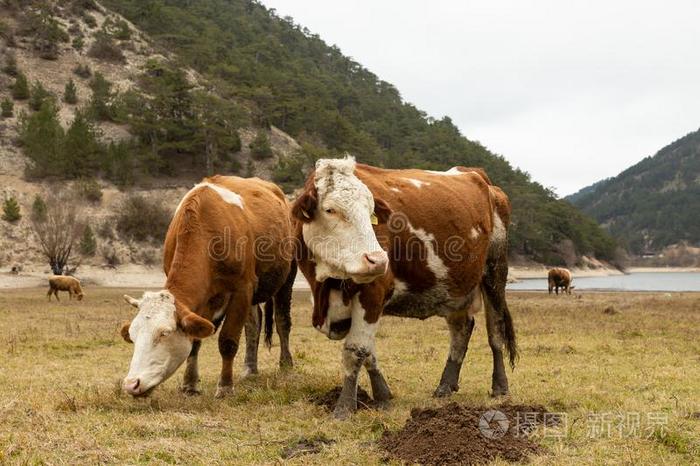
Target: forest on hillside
(654, 203)
(263, 70)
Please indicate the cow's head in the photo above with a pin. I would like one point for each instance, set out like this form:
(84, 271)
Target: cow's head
(338, 211)
(162, 334)
(80, 295)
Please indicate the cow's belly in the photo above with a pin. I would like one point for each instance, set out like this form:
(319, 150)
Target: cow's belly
(435, 301)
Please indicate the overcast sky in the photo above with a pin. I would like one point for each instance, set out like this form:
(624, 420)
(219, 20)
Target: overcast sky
(571, 91)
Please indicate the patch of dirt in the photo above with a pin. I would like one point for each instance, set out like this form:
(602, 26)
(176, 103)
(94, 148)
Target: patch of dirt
(305, 446)
(460, 434)
(330, 398)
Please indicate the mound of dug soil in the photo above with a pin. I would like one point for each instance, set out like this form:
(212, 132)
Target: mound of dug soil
(459, 434)
(330, 398)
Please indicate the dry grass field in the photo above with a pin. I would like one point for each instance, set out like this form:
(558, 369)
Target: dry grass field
(61, 363)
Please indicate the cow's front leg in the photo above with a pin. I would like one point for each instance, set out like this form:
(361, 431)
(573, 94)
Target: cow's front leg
(380, 390)
(252, 339)
(359, 345)
(229, 338)
(461, 328)
(191, 379)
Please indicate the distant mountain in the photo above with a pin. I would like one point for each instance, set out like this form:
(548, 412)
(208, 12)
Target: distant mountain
(653, 204)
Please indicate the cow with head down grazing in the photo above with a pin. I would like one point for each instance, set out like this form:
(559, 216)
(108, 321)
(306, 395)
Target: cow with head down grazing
(226, 250)
(559, 277)
(409, 243)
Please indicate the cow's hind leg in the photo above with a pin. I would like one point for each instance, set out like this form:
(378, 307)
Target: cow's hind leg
(49, 293)
(461, 327)
(252, 340)
(191, 379)
(283, 317)
(380, 390)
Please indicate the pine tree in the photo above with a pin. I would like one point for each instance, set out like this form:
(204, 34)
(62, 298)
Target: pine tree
(20, 89)
(38, 96)
(10, 67)
(70, 95)
(88, 243)
(260, 146)
(100, 108)
(7, 108)
(10, 210)
(81, 148)
(42, 138)
(38, 209)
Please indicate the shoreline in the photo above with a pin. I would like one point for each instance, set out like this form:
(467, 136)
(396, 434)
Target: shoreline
(139, 276)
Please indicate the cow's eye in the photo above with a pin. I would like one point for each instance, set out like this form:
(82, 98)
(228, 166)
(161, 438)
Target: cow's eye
(330, 211)
(165, 333)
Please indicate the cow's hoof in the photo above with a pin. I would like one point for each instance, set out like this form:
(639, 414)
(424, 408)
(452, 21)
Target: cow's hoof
(249, 372)
(223, 392)
(499, 391)
(286, 363)
(444, 390)
(341, 413)
(190, 390)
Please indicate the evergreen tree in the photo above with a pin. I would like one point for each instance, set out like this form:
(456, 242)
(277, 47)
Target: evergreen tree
(81, 149)
(38, 209)
(10, 210)
(88, 243)
(42, 138)
(7, 108)
(260, 146)
(20, 89)
(100, 104)
(38, 96)
(70, 95)
(10, 67)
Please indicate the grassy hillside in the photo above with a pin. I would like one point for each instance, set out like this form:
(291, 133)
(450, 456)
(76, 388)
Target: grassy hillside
(332, 104)
(191, 88)
(654, 203)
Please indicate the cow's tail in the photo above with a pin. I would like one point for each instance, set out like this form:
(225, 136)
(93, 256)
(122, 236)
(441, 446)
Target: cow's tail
(496, 275)
(269, 322)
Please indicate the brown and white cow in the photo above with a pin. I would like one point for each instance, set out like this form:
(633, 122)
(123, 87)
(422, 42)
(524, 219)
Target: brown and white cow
(409, 243)
(560, 277)
(64, 283)
(226, 250)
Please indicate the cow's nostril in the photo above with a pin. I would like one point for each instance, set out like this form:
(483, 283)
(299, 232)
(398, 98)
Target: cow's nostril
(136, 384)
(369, 259)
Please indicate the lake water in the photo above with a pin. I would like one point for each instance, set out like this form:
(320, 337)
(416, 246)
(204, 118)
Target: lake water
(643, 281)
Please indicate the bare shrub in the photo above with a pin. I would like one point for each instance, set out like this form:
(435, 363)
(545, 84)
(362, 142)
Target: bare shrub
(104, 48)
(59, 231)
(110, 256)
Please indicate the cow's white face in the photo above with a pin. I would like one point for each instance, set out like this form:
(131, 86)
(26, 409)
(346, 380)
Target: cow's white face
(338, 218)
(162, 336)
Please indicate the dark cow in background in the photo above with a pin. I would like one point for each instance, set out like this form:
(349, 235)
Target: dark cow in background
(560, 278)
(409, 243)
(226, 251)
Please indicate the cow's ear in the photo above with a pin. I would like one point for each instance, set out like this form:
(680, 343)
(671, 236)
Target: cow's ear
(125, 331)
(133, 301)
(382, 210)
(195, 326)
(305, 206)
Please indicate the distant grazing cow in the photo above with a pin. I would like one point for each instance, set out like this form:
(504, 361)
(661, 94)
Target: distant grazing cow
(64, 283)
(410, 243)
(227, 249)
(560, 278)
